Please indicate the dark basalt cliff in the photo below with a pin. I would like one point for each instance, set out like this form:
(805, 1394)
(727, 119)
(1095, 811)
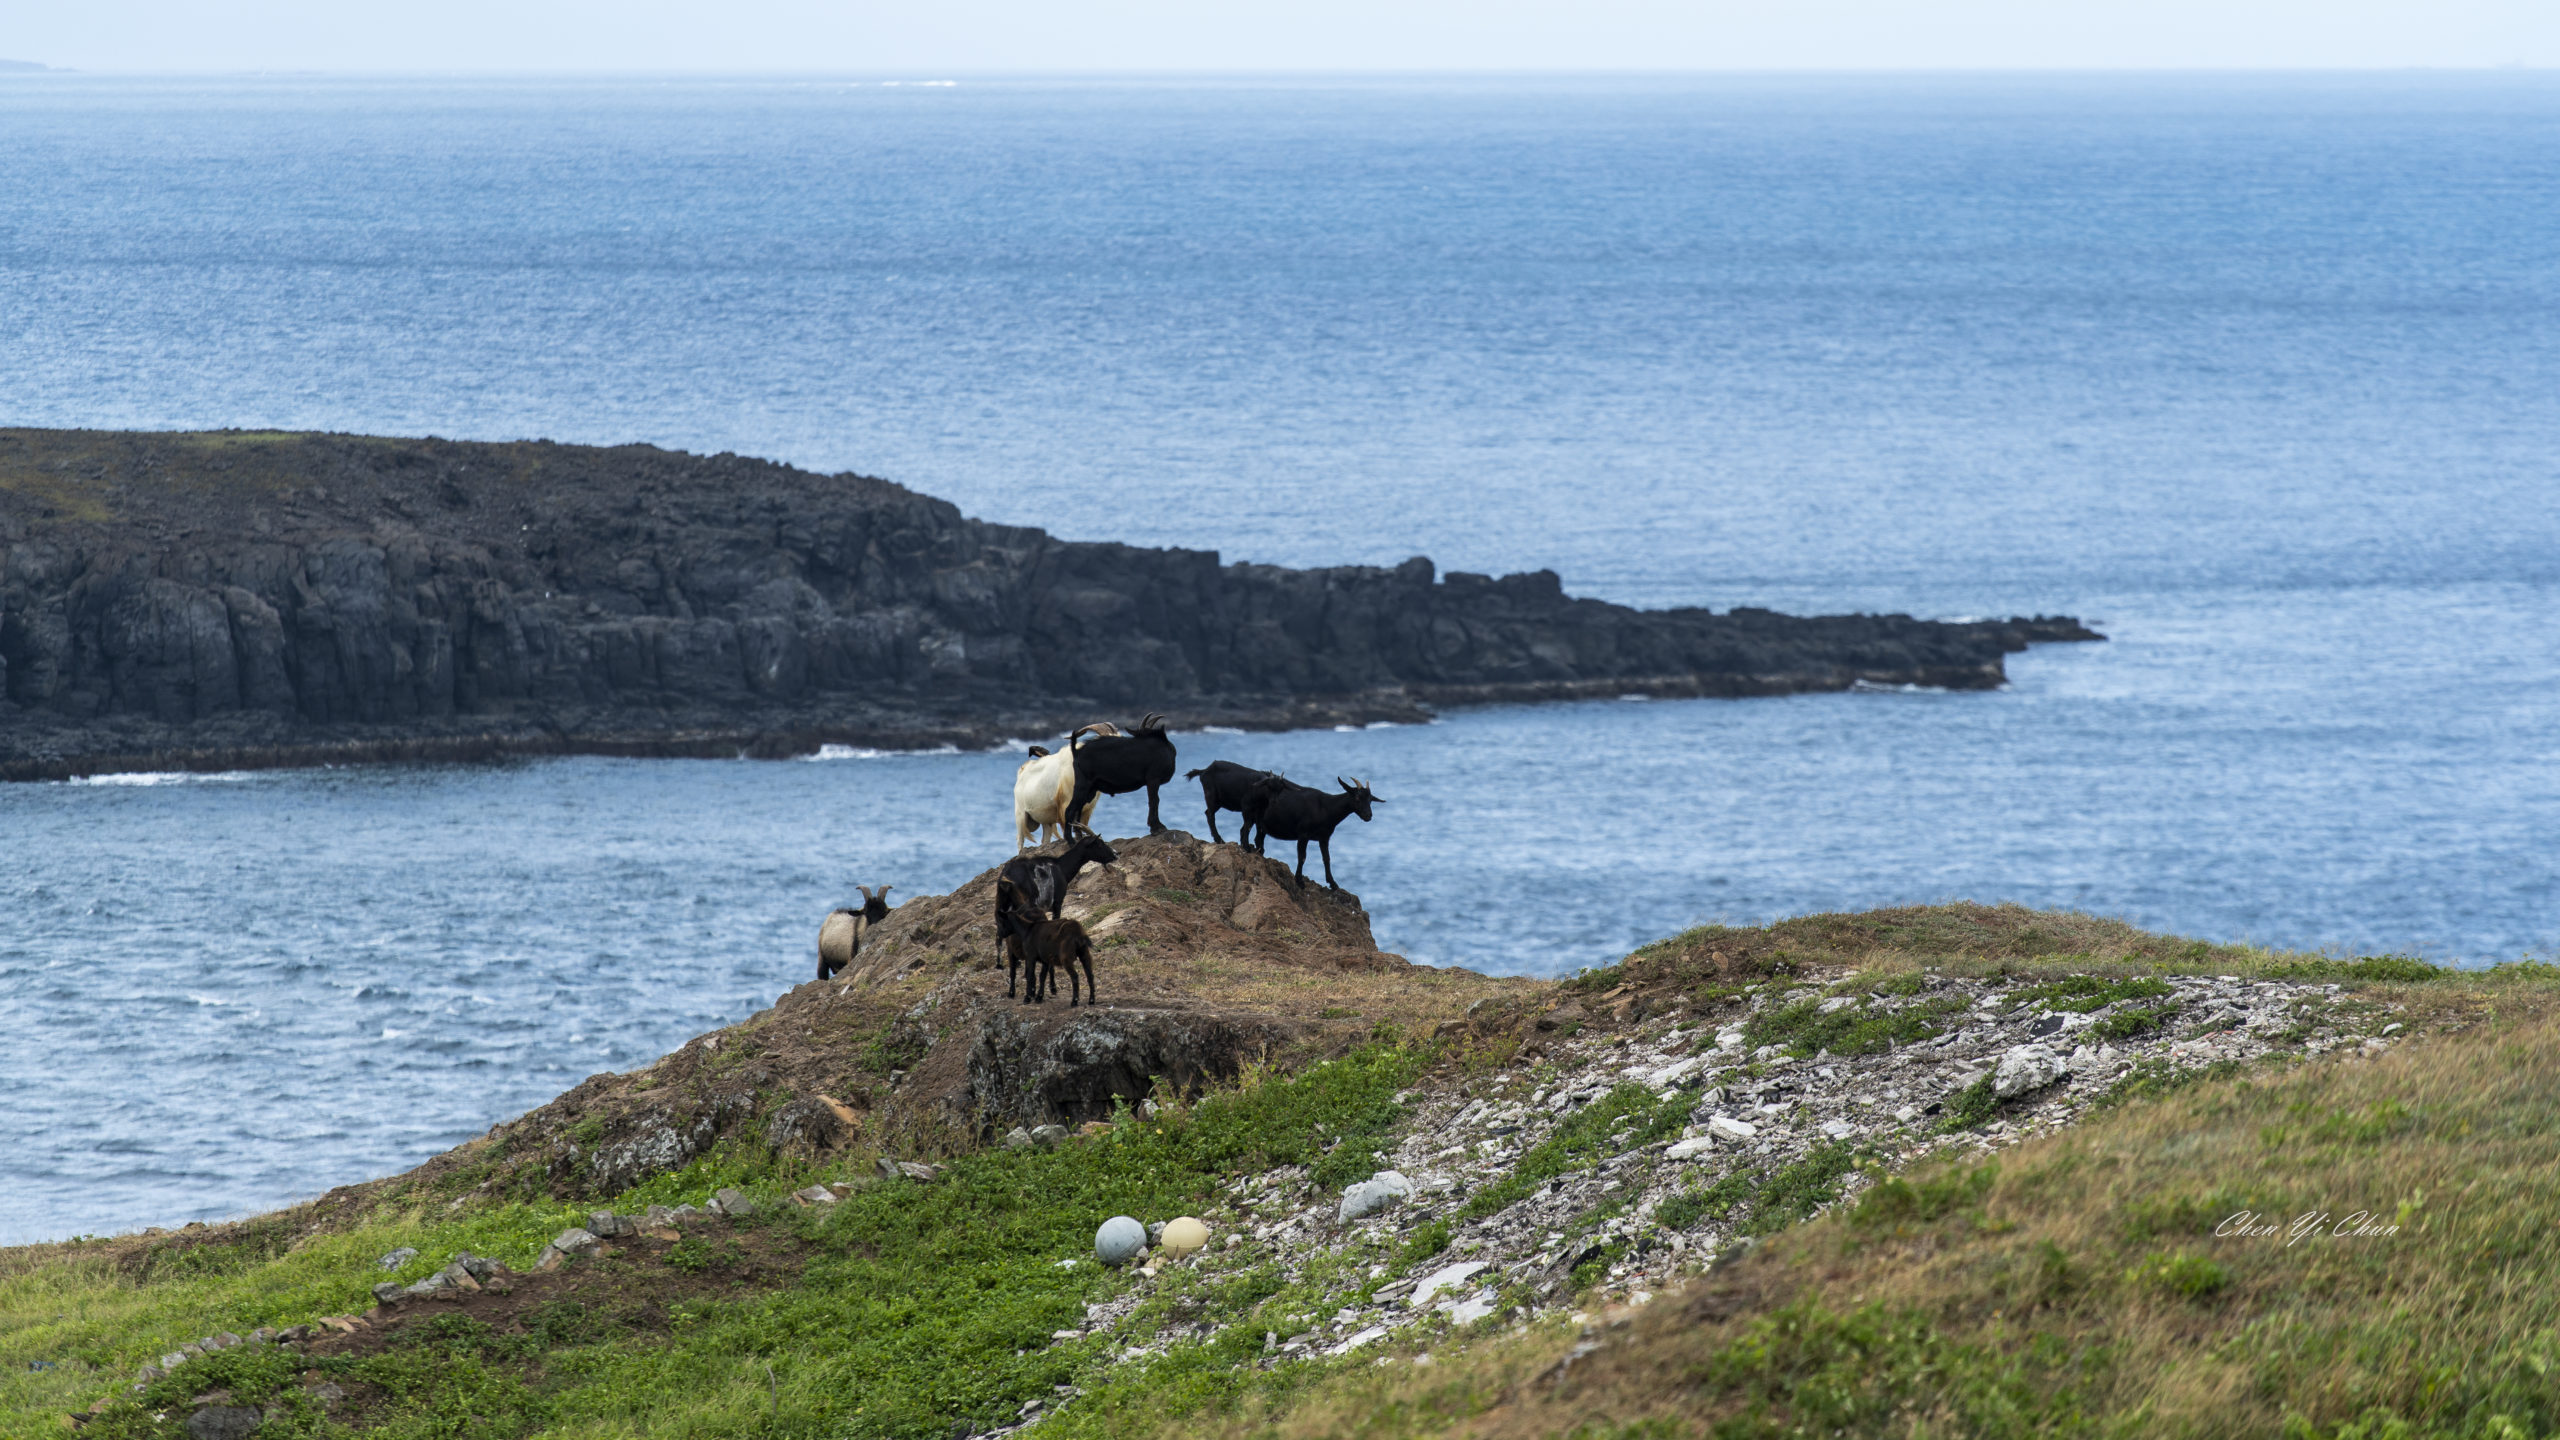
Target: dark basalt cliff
(234, 599)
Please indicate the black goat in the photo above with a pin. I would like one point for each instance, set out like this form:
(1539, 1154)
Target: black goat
(1302, 814)
(1044, 944)
(1257, 805)
(1038, 883)
(1118, 764)
(1226, 785)
(840, 938)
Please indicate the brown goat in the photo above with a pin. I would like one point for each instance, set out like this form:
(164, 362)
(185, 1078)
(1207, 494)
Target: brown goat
(1042, 945)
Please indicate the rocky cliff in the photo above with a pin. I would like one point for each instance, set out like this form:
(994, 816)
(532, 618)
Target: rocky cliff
(238, 598)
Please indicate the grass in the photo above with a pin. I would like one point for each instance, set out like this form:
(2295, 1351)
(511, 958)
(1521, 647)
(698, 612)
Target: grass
(917, 1306)
(1763, 1203)
(2388, 1234)
(1627, 1116)
(1803, 1030)
(2075, 1287)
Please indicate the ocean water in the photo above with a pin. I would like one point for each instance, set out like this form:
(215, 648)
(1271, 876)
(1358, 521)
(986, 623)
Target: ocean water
(2255, 373)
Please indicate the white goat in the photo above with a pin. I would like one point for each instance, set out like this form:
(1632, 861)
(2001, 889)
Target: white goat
(1043, 787)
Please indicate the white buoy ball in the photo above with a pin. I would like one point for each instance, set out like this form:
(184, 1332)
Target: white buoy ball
(1184, 1236)
(1119, 1240)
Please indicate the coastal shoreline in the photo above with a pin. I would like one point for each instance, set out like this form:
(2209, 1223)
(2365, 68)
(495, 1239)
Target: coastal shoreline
(251, 600)
(627, 736)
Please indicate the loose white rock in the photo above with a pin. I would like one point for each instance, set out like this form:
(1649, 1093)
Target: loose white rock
(1732, 1129)
(1447, 1277)
(1374, 1332)
(1690, 1148)
(2024, 1068)
(1373, 1195)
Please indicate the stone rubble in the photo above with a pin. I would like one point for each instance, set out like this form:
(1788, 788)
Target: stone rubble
(1751, 1111)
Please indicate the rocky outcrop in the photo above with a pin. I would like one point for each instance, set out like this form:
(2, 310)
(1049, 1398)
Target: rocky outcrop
(244, 599)
(1208, 959)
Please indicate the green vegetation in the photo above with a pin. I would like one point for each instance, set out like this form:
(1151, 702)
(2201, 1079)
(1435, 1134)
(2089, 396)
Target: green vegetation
(1627, 1116)
(1764, 1203)
(2136, 1275)
(2082, 994)
(2132, 1022)
(1972, 1105)
(1805, 1031)
(2371, 967)
(903, 1307)
(2078, 1287)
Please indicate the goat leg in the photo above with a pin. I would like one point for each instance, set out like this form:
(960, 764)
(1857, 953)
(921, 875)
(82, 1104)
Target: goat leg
(1155, 824)
(1326, 845)
(1302, 864)
(1092, 994)
(1214, 837)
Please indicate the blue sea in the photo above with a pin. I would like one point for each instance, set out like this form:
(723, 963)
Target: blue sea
(2255, 373)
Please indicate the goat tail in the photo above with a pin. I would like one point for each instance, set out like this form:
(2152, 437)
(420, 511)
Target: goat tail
(1193, 774)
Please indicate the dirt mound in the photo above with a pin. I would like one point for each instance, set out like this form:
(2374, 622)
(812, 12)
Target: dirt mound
(1209, 959)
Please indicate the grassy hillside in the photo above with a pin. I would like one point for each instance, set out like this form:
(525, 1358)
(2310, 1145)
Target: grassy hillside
(2349, 1249)
(2068, 1284)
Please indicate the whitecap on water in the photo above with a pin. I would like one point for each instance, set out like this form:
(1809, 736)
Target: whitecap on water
(865, 752)
(162, 777)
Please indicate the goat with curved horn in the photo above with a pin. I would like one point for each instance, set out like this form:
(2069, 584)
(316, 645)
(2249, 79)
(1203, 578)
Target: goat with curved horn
(1118, 764)
(840, 938)
(1302, 814)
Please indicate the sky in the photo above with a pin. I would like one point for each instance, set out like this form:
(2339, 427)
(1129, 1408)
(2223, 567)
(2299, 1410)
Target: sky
(1086, 36)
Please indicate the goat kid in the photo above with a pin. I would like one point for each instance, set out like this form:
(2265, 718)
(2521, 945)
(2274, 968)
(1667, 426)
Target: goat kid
(1044, 785)
(1226, 785)
(1038, 883)
(1118, 764)
(1045, 944)
(840, 938)
(1303, 814)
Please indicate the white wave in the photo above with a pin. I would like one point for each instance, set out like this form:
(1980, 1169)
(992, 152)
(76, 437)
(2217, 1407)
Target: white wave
(390, 1034)
(1344, 730)
(207, 1000)
(162, 777)
(1220, 730)
(1634, 699)
(1869, 687)
(1383, 725)
(865, 752)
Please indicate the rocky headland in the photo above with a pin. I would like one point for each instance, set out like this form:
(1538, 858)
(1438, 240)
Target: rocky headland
(242, 599)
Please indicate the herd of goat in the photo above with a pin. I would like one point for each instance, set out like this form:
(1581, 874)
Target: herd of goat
(1054, 794)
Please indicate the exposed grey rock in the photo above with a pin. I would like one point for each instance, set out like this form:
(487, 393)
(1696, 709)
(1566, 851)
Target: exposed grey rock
(398, 1258)
(224, 1422)
(606, 1225)
(733, 1202)
(387, 1291)
(1451, 1278)
(1372, 1195)
(2024, 1068)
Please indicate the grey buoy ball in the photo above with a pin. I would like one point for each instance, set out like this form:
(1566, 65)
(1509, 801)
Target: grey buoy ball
(1119, 1240)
